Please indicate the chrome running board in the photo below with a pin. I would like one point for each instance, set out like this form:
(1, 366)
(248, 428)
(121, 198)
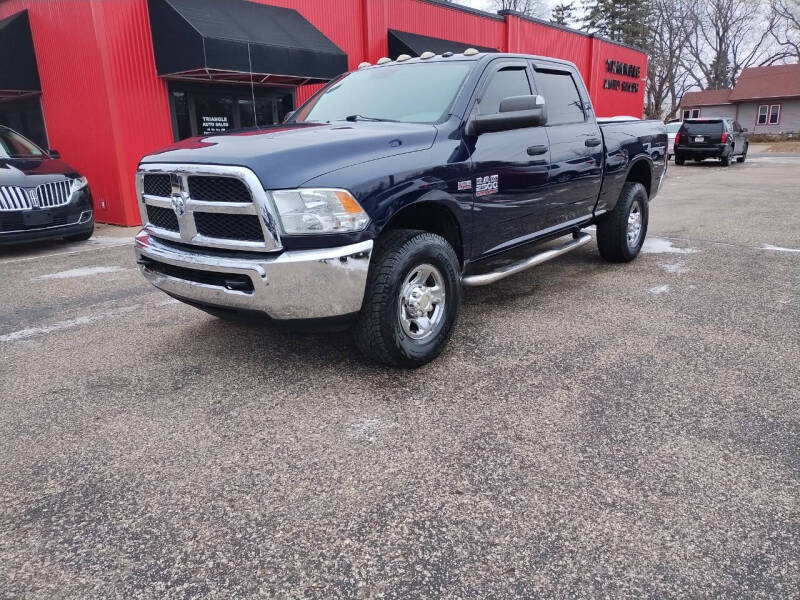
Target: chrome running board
(526, 263)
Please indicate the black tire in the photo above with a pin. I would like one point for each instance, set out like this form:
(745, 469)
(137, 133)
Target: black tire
(80, 237)
(743, 157)
(679, 160)
(612, 231)
(726, 161)
(378, 332)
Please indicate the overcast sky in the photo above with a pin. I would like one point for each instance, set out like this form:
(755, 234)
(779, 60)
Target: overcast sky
(488, 5)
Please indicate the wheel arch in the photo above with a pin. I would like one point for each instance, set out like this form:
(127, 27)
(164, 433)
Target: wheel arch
(641, 171)
(432, 214)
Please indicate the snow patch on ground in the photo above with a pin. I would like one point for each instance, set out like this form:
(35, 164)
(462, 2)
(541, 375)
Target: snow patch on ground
(656, 245)
(659, 289)
(778, 248)
(79, 272)
(677, 267)
(24, 334)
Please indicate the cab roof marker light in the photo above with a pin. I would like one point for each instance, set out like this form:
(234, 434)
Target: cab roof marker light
(470, 52)
(383, 60)
(403, 58)
(364, 65)
(447, 54)
(426, 55)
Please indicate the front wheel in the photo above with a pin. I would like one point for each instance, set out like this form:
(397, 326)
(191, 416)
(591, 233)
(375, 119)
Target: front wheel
(412, 299)
(621, 233)
(743, 157)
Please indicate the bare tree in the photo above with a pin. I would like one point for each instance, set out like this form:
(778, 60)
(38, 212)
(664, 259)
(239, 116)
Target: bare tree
(727, 36)
(667, 73)
(786, 28)
(531, 8)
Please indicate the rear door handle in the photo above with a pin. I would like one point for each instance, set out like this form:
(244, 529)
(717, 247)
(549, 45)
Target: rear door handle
(536, 150)
(592, 142)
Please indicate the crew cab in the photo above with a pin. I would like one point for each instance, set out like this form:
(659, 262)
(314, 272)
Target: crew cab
(41, 196)
(720, 138)
(391, 189)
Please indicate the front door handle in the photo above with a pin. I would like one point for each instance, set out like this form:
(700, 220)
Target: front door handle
(592, 142)
(536, 150)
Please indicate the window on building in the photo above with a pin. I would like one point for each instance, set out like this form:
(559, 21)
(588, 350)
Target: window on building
(691, 113)
(206, 110)
(25, 116)
(774, 114)
(561, 96)
(503, 84)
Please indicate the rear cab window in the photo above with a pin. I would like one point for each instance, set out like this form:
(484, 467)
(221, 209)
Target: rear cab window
(561, 96)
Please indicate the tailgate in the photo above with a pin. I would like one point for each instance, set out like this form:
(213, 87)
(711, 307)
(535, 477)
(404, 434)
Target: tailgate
(704, 133)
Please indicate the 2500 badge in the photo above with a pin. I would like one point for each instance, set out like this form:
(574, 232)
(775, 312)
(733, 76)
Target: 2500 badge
(489, 184)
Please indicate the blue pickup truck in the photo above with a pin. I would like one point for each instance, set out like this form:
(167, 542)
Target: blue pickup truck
(391, 189)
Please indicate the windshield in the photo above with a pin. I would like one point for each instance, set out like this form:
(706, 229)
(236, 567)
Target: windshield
(673, 127)
(13, 145)
(413, 93)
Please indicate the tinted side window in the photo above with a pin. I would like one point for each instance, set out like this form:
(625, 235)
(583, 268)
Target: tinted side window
(561, 97)
(507, 82)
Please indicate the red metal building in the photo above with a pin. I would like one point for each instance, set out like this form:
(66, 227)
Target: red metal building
(106, 82)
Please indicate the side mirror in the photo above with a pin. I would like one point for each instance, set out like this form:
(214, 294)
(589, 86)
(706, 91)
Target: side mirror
(516, 112)
(54, 153)
(289, 115)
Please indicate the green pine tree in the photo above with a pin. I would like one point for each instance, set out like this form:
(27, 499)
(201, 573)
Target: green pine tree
(563, 14)
(624, 21)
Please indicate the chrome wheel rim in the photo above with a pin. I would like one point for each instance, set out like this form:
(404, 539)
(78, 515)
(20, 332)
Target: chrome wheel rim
(634, 225)
(421, 302)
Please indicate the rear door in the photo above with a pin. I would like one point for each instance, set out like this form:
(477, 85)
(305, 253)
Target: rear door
(704, 133)
(739, 137)
(509, 168)
(576, 144)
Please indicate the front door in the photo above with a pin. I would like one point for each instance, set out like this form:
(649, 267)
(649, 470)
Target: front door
(509, 168)
(576, 145)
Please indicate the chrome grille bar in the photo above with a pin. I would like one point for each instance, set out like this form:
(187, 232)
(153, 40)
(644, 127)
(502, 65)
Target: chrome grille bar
(14, 198)
(46, 195)
(55, 193)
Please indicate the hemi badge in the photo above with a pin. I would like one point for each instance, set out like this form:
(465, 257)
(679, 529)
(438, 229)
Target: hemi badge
(465, 185)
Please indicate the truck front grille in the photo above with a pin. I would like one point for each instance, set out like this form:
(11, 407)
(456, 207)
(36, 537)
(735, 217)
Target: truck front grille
(162, 217)
(229, 227)
(214, 206)
(218, 189)
(157, 184)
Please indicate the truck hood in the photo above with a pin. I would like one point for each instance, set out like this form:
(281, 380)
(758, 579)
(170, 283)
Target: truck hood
(286, 156)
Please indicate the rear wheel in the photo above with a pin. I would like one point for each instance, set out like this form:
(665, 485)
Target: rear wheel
(412, 299)
(621, 234)
(726, 161)
(679, 160)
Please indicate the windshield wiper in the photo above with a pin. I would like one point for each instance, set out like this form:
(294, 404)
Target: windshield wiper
(353, 118)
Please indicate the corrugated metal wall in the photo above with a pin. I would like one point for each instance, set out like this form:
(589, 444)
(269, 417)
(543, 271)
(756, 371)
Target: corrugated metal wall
(105, 106)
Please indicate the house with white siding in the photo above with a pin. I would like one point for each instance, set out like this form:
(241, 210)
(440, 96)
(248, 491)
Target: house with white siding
(765, 100)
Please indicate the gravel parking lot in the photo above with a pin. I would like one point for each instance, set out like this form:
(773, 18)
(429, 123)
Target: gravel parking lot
(592, 429)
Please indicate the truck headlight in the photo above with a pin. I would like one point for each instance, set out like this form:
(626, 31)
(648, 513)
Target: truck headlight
(78, 184)
(318, 210)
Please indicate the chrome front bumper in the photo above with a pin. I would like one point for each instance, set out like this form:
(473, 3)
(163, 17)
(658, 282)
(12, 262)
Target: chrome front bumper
(298, 284)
